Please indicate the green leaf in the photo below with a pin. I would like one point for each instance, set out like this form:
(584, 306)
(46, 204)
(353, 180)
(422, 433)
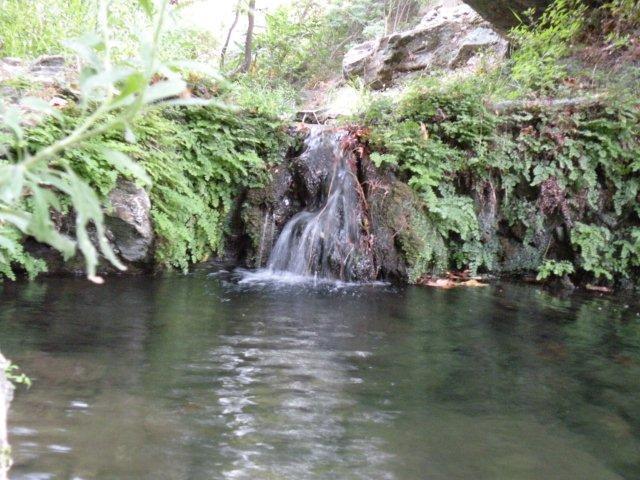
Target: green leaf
(125, 164)
(164, 90)
(42, 228)
(40, 105)
(147, 6)
(11, 182)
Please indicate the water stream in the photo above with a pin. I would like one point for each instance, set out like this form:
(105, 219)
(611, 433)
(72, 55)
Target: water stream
(201, 377)
(322, 241)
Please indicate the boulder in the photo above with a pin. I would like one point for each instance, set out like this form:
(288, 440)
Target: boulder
(129, 222)
(6, 395)
(447, 38)
(50, 78)
(128, 229)
(505, 14)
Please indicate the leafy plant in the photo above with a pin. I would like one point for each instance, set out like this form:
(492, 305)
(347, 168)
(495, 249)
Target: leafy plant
(30, 29)
(33, 184)
(541, 45)
(555, 268)
(13, 374)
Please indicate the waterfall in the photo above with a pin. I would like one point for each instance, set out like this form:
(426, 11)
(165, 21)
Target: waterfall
(324, 240)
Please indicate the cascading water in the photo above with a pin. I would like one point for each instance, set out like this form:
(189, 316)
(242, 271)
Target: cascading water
(326, 239)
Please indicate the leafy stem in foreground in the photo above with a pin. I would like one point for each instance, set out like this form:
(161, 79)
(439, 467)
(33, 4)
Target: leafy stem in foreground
(32, 185)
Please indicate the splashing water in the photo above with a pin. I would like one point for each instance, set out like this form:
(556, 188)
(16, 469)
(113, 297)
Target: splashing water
(324, 240)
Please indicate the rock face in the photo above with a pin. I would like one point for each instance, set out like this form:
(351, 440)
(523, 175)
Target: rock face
(6, 395)
(303, 189)
(448, 38)
(128, 228)
(129, 222)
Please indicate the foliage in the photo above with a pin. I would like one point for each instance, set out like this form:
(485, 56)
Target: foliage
(625, 22)
(36, 182)
(554, 268)
(271, 99)
(541, 45)
(183, 43)
(13, 374)
(198, 159)
(288, 49)
(544, 169)
(304, 42)
(29, 29)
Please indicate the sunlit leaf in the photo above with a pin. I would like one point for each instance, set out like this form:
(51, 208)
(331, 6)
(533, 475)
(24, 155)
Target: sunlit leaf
(40, 105)
(164, 90)
(125, 164)
(147, 6)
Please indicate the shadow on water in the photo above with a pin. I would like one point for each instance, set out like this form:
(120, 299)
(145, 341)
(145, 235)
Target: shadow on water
(205, 376)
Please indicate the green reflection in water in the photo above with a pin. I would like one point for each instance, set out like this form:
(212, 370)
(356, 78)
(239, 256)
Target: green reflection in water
(197, 377)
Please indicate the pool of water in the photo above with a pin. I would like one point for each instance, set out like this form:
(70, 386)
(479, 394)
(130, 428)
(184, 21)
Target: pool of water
(205, 376)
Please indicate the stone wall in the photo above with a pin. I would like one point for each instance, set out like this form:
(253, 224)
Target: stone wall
(6, 394)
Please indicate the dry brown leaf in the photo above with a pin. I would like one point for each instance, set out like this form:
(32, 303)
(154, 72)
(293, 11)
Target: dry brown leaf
(597, 288)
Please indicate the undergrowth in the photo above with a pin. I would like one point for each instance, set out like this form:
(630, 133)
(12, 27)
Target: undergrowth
(514, 191)
(532, 187)
(199, 160)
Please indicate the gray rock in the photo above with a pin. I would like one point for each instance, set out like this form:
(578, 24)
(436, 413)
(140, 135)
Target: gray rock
(47, 69)
(477, 41)
(6, 395)
(129, 222)
(503, 14)
(450, 38)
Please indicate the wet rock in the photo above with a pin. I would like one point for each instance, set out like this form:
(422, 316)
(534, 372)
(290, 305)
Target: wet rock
(265, 211)
(6, 395)
(387, 199)
(129, 222)
(128, 228)
(448, 38)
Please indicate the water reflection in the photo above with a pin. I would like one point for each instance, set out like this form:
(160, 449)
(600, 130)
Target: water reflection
(200, 377)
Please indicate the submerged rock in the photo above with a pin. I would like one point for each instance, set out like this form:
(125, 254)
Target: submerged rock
(447, 38)
(6, 395)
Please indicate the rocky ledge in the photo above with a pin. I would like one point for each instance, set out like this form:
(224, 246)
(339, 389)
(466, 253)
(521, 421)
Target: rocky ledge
(448, 38)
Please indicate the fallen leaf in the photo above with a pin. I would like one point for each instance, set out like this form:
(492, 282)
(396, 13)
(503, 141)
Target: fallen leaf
(474, 283)
(597, 288)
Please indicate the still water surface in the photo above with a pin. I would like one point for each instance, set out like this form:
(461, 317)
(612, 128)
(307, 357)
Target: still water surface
(203, 377)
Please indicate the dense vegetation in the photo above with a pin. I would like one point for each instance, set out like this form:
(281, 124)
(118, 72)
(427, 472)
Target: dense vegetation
(541, 152)
(559, 178)
(198, 159)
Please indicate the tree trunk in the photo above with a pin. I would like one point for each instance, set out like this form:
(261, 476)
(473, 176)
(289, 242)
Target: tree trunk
(223, 53)
(6, 394)
(248, 43)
